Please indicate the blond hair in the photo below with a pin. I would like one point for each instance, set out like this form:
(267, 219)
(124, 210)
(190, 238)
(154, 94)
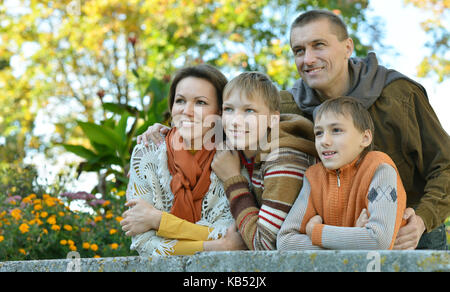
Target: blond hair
(252, 85)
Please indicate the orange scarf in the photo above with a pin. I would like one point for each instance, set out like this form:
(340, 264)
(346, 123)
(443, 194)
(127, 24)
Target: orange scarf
(190, 178)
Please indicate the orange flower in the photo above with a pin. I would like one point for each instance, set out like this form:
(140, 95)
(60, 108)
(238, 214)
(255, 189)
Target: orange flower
(86, 245)
(112, 231)
(51, 220)
(24, 228)
(2, 238)
(16, 214)
(44, 214)
(50, 201)
(38, 207)
(56, 227)
(98, 218)
(118, 219)
(27, 200)
(21, 250)
(63, 242)
(94, 247)
(68, 227)
(114, 245)
(73, 248)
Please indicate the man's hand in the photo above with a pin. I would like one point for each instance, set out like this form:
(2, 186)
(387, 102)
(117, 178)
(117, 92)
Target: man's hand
(409, 235)
(226, 164)
(310, 225)
(141, 218)
(155, 133)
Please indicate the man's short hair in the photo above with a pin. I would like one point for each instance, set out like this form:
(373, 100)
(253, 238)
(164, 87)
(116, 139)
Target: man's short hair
(253, 84)
(346, 105)
(338, 26)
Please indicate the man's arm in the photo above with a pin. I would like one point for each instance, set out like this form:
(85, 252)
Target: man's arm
(433, 161)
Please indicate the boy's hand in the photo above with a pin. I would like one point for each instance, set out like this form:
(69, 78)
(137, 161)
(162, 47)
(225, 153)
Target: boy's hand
(362, 219)
(226, 164)
(233, 239)
(310, 225)
(155, 133)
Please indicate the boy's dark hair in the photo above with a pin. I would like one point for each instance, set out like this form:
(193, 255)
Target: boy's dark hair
(346, 105)
(252, 84)
(203, 71)
(337, 24)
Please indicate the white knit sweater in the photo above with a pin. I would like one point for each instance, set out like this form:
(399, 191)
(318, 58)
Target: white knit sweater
(150, 180)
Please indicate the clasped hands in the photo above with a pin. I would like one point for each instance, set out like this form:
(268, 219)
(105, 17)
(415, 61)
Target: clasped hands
(361, 222)
(140, 218)
(407, 238)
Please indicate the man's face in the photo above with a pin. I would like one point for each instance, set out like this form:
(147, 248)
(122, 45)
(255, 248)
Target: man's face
(321, 59)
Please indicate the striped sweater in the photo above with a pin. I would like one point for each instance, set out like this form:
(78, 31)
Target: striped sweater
(259, 206)
(339, 197)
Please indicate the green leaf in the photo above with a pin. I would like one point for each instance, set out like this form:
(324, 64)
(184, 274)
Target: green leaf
(118, 108)
(101, 135)
(122, 126)
(80, 151)
(135, 73)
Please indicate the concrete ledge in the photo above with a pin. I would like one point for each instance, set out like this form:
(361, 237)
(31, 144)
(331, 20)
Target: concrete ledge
(250, 261)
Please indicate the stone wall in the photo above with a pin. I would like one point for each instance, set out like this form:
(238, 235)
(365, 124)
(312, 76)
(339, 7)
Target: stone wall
(250, 261)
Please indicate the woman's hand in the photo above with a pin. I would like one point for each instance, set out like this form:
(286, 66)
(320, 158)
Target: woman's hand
(310, 225)
(140, 218)
(155, 133)
(226, 164)
(231, 241)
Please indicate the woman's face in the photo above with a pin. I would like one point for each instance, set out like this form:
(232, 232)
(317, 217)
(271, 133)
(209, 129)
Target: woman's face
(194, 109)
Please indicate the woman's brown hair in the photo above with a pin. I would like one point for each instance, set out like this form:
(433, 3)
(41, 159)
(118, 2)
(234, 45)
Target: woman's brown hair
(203, 71)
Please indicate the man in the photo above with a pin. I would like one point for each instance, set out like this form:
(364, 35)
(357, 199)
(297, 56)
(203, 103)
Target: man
(406, 127)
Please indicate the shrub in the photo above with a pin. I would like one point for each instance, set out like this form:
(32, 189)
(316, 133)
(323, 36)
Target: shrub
(37, 225)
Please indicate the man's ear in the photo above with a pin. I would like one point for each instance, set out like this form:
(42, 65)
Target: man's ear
(367, 138)
(349, 46)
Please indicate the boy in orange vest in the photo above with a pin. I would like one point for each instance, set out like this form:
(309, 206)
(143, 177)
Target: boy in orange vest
(351, 182)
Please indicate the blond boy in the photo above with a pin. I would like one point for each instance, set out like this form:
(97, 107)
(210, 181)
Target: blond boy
(263, 174)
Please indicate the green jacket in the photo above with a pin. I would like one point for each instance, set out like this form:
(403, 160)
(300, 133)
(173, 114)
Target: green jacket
(408, 130)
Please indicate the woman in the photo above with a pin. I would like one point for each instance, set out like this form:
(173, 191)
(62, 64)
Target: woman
(178, 205)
